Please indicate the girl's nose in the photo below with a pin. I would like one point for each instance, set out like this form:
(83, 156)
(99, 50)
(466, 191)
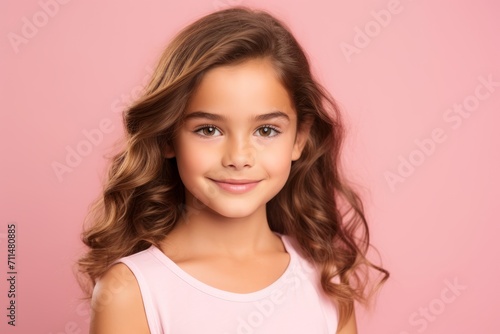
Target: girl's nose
(238, 154)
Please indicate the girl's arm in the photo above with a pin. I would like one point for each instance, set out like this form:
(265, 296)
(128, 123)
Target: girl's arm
(350, 326)
(117, 304)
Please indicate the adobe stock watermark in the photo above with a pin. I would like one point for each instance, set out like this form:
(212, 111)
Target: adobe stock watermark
(91, 138)
(430, 312)
(363, 36)
(453, 117)
(30, 26)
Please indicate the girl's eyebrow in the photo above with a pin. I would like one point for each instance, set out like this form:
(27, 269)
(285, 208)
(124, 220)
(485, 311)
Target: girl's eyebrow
(216, 117)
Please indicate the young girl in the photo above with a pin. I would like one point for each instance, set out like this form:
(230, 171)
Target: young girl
(226, 212)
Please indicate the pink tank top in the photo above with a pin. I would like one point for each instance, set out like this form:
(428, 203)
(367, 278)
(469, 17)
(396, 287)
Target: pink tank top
(176, 302)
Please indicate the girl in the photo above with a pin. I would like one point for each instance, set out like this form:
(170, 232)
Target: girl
(226, 211)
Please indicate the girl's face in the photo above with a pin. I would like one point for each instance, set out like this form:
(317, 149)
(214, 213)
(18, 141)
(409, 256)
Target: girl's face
(234, 149)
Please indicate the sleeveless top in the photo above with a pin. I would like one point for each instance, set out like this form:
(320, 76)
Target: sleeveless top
(176, 302)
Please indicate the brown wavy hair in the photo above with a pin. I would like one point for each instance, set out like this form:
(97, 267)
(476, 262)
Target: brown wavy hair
(143, 196)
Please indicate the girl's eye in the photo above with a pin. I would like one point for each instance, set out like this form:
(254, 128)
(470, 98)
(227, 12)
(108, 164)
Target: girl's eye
(268, 131)
(207, 131)
(212, 131)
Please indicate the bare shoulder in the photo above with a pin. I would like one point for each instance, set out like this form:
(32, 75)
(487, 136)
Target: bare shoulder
(117, 303)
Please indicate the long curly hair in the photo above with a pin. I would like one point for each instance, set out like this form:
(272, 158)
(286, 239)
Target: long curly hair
(143, 196)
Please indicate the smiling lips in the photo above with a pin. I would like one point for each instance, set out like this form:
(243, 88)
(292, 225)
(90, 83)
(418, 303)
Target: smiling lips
(236, 186)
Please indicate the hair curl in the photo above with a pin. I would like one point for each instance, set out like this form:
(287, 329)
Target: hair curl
(143, 196)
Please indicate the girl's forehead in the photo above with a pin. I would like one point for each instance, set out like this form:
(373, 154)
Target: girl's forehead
(251, 85)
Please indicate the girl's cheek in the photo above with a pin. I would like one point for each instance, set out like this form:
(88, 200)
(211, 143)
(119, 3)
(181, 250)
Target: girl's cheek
(275, 159)
(204, 156)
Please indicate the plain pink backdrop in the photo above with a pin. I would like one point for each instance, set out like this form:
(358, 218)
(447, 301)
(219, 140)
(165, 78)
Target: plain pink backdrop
(70, 67)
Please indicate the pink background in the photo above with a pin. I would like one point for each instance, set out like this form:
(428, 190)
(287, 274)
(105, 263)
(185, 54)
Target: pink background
(78, 66)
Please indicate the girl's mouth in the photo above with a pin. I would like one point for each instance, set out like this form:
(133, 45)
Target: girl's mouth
(236, 186)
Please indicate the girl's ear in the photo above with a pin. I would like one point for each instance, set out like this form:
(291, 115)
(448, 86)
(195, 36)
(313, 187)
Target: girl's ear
(301, 139)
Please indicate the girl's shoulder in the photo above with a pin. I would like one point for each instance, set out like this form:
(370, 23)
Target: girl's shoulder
(293, 247)
(307, 265)
(117, 303)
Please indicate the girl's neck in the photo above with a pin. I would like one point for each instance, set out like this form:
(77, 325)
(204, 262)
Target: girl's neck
(206, 233)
